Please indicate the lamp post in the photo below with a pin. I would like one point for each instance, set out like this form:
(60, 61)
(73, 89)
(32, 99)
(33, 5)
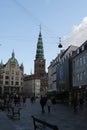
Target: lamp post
(60, 45)
(34, 88)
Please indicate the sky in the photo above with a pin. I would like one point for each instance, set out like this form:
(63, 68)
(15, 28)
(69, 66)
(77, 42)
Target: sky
(20, 22)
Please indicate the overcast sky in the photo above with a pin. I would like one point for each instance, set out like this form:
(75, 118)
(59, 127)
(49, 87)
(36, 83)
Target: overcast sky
(20, 22)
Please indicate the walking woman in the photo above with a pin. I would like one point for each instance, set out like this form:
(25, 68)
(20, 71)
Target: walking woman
(49, 103)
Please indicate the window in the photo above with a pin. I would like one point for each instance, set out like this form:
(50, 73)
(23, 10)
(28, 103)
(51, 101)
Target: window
(1, 82)
(12, 71)
(1, 76)
(16, 83)
(21, 83)
(6, 77)
(80, 60)
(84, 61)
(39, 65)
(73, 79)
(81, 76)
(71, 53)
(12, 78)
(7, 72)
(77, 51)
(84, 73)
(6, 82)
(78, 77)
(17, 78)
(17, 73)
(11, 82)
(82, 48)
(74, 64)
(77, 62)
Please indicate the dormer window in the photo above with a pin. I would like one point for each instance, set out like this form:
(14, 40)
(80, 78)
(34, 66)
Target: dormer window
(77, 51)
(68, 55)
(71, 53)
(83, 48)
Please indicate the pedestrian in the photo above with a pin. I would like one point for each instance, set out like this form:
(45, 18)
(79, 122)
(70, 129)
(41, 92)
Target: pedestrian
(42, 103)
(54, 103)
(75, 104)
(32, 99)
(16, 99)
(81, 102)
(49, 103)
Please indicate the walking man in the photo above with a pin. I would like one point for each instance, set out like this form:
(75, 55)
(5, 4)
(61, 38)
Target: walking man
(43, 103)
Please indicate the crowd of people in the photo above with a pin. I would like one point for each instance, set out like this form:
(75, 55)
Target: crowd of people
(46, 102)
(13, 100)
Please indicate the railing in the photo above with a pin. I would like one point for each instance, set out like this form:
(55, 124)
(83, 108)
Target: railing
(43, 125)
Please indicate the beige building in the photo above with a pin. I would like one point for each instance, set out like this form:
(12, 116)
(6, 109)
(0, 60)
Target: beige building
(11, 76)
(31, 85)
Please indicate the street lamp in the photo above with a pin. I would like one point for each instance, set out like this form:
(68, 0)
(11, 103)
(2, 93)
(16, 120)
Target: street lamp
(60, 45)
(34, 87)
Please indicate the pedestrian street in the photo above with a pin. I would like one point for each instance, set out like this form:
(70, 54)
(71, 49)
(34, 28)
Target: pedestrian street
(61, 115)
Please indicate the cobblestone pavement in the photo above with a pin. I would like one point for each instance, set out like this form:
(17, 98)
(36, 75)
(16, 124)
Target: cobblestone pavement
(61, 115)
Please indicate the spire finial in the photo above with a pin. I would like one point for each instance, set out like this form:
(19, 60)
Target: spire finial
(40, 27)
(13, 55)
(59, 39)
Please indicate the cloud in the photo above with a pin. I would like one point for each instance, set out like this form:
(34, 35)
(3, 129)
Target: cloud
(78, 34)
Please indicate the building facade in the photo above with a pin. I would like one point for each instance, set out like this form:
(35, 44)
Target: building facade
(11, 76)
(79, 68)
(31, 85)
(59, 78)
(52, 78)
(64, 70)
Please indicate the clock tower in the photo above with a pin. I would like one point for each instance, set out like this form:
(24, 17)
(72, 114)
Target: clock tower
(39, 62)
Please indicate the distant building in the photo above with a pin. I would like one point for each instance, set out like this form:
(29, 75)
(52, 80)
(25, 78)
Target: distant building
(64, 70)
(52, 73)
(11, 76)
(52, 78)
(59, 70)
(31, 85)
(39, 64)
(50, 82)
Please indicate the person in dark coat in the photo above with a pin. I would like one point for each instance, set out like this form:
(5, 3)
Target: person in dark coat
(75, 104)
(81, 102)
(43, 103)
(16, 99)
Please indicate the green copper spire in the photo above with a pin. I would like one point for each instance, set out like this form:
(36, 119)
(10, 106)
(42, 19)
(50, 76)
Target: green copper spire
(40, 51)
(13, 55)
(1, 63)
